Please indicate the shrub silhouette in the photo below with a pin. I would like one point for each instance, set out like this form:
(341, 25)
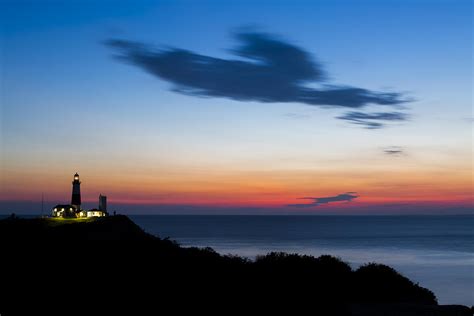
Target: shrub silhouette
(379, 283)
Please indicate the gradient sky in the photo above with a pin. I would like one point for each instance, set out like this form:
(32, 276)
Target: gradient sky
(69, 104)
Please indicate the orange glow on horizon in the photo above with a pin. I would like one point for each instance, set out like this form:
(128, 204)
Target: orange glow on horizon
(256, 192)
(375, 184)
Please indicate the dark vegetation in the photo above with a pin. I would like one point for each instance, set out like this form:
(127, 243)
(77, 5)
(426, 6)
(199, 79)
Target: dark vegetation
(111, 261)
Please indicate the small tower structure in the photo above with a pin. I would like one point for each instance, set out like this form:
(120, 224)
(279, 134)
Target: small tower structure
(102, 203)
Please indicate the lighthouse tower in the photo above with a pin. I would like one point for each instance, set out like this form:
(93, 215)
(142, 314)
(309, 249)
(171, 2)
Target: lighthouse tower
(76, 192)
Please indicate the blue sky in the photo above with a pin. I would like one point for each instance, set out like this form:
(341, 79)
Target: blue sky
(68, 105)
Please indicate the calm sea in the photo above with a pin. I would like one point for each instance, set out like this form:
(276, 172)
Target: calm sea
(435, 251)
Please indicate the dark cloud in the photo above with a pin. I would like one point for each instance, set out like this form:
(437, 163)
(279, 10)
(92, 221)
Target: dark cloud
(269, 69)
(373, 120)
(316, 201)
(394, 150)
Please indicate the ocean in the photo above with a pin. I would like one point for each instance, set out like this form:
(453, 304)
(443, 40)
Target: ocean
(435, 251)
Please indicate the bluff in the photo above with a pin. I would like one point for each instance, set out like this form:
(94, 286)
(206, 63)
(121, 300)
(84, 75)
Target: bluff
(112, 262)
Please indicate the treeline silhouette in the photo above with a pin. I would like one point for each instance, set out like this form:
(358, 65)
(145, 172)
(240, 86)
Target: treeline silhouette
(113, 262)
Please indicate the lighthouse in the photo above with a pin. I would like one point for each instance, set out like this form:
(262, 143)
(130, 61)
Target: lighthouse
(74, 209)
(76, 192)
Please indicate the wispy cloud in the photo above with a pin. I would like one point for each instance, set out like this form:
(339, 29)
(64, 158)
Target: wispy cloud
(469, 119)
(373, 120)
(316, 201)
(268, 69)
(394, 150)
(297, 116)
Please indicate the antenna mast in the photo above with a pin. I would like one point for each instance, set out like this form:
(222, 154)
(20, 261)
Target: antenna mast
(42, 204)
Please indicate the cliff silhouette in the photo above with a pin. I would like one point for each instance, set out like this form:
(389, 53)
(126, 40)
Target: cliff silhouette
(112, 262)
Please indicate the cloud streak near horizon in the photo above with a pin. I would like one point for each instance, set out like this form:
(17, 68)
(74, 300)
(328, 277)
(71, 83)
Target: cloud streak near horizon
(316, 201)
(269, 69)
(394, 151)
(373, 120)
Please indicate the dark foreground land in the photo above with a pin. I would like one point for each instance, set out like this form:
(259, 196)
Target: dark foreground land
(110, 265)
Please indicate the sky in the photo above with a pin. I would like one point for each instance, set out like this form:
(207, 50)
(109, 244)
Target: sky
(238, 107)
